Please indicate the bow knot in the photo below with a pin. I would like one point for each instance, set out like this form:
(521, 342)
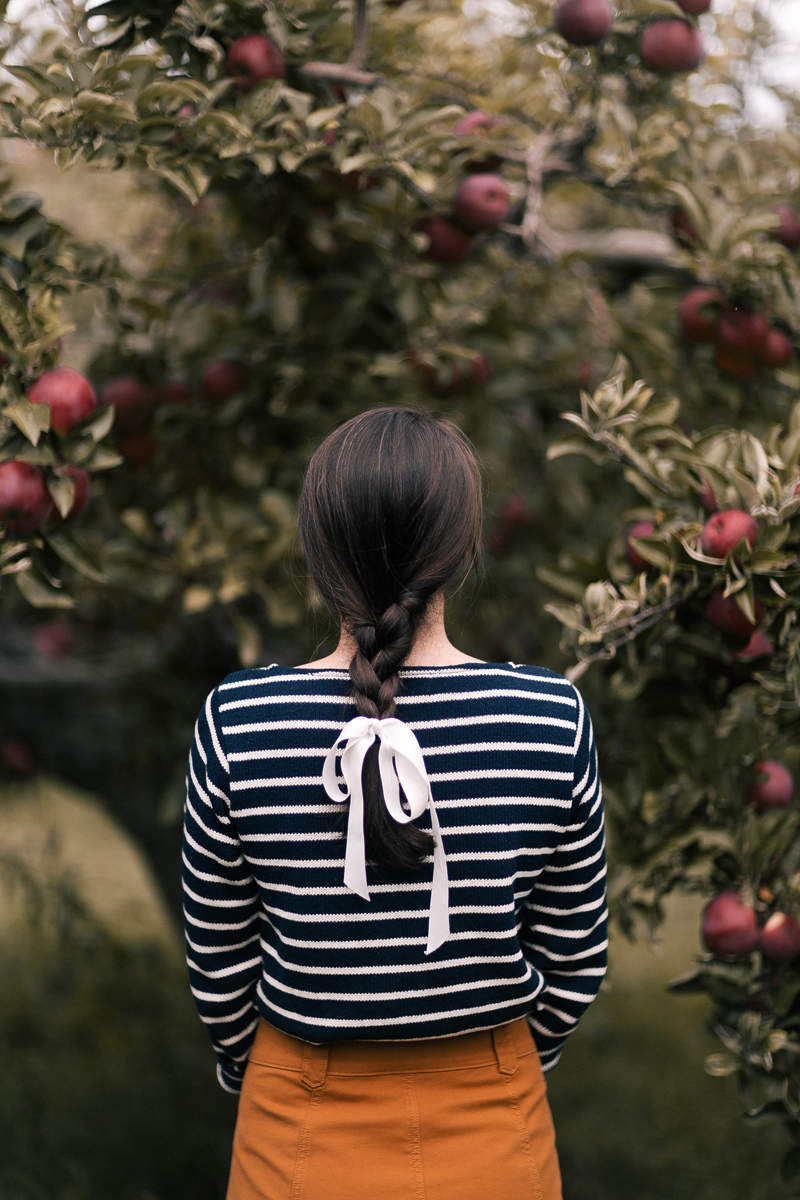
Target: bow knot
(400, 763)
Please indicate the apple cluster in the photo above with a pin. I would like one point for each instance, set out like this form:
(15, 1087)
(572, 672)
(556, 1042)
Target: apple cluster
(742, 337)
(26, 501)
(665, 45)
(480, 204)
(133, 401)
(721, 535)
(728, 925)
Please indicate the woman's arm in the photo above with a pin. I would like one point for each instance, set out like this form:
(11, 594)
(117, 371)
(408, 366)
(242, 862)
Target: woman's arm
(221, 906)
(564, 920)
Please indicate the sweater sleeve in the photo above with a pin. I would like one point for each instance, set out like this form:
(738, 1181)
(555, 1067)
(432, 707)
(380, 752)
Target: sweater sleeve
(221, 906)
(564, 920)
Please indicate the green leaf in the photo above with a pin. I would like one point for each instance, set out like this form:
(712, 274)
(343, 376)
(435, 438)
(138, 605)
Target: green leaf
(721, 1065)
(30, 419)
(13, 317)
(62, 489)
(68, 548)
(39, 593)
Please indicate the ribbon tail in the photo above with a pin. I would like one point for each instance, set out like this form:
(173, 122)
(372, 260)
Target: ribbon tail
(439, 915)
(355, 858)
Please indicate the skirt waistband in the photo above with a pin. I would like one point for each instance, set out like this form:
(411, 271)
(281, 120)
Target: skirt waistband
(500, 1047)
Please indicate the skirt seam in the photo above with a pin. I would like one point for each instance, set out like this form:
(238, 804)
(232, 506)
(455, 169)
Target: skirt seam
(508, 1082)
(303, 1147)
(415, 1138)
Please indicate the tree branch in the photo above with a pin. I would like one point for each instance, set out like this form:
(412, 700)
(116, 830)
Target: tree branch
(358, 52)
(352, 71)
(341, 73)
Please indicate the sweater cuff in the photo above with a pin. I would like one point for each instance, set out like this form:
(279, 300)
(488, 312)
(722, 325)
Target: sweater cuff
(230, 1080)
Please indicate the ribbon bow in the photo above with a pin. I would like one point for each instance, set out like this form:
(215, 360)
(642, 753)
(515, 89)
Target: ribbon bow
(400, 761)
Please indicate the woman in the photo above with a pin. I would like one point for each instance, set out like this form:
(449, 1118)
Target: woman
(394, 862)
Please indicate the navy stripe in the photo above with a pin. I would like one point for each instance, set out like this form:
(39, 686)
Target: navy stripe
(270, 928)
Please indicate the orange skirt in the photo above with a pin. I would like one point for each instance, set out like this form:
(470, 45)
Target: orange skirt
(462, 1118)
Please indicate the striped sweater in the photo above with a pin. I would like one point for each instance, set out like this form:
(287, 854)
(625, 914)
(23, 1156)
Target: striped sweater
(271, 930)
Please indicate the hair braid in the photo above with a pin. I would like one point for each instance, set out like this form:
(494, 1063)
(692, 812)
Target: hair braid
(382, 648)
(390, 511)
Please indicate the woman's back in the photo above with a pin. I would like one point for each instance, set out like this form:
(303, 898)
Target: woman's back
(274, 932)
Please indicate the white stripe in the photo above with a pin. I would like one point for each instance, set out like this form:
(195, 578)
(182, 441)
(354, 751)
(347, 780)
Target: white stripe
(221, 997)
(431, 698)
(570, 933)
(391, 968)
(408, 994)
(220, 949)
(565, 912)
(239, 1036)
(454, 672)
(551, 954)
(408, 1019)
(214, 739)
(476, 935)
(234, 970)
(399, 915)
(428, 751)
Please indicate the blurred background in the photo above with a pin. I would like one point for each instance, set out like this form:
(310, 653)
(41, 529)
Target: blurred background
(107, 1084)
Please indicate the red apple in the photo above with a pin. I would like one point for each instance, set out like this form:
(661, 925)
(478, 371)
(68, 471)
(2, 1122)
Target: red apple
(724, 613)
(775, 791)
(776, 349)
(707, 498)
(68, 394)
(699, 312)
(139, 449)
(780, 937)
(222, 379)
(16, 758)
(25, 502)
(252, 58)
(725, 530)
(481, 202)
(728, 926)
(741, 366)
(640, 529)
(742, 331)
(477, 122)
(682, 227)
(759, 646)
(53, 638)
(512, 515)
(446, 243)
(132, 401)
(173, 391)
(788, 231)
(671, 45)
(582, 22)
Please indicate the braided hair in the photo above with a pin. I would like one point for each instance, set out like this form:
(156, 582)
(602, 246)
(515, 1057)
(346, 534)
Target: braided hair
(390, 511)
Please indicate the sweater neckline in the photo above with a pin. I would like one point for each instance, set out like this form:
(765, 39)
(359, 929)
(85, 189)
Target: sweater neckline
(403, 669)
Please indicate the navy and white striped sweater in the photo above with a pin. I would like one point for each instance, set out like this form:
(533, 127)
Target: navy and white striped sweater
(271, 929)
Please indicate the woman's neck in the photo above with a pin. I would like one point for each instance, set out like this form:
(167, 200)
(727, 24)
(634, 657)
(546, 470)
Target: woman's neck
(432, 647)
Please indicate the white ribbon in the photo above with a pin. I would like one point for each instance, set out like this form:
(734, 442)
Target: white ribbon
(400, 762)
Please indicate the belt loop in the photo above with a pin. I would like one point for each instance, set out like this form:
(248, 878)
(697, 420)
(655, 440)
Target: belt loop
(315, 1064)
(505, 1049)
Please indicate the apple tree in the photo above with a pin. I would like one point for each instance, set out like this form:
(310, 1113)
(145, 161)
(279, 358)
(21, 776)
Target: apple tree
(408, 203)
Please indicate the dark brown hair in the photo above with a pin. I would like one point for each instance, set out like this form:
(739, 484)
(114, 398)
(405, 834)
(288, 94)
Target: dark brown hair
(390, 511)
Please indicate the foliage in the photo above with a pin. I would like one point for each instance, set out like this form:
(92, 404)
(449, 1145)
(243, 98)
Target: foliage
(298, 254)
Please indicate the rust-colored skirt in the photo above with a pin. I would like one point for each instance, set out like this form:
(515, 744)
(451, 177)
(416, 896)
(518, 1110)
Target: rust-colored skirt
(462, 1118)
